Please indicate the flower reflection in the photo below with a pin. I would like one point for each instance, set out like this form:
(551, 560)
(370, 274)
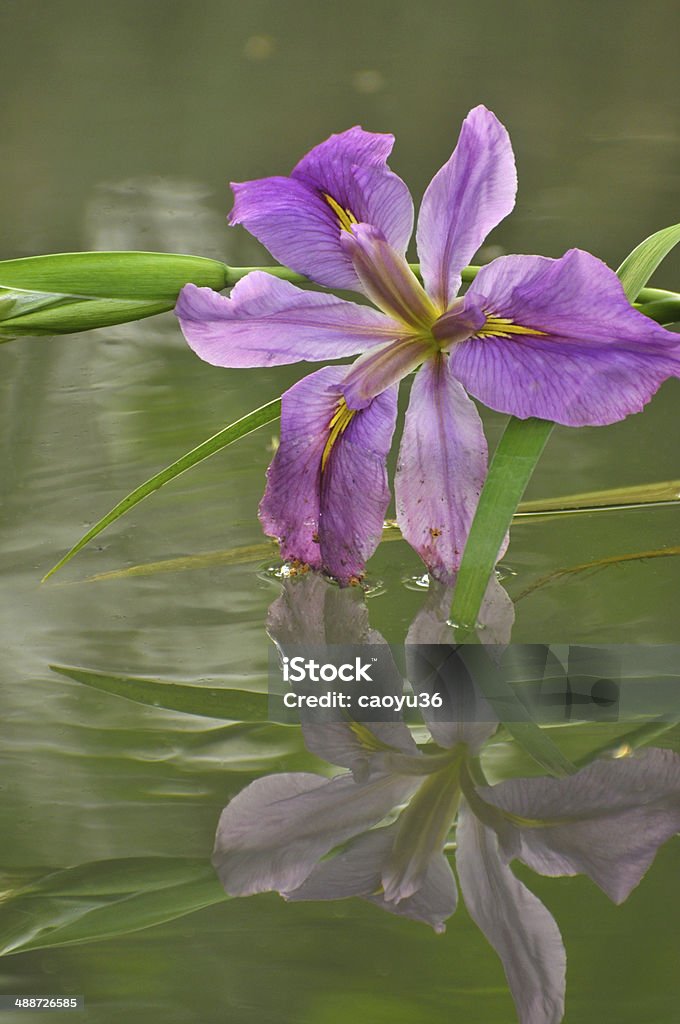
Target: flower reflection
(381, 830)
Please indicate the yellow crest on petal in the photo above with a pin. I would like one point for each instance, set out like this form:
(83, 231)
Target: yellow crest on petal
(339, 423)
(345, 216)
(504, 327)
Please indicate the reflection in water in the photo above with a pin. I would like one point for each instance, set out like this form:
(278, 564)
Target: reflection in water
(381, 830)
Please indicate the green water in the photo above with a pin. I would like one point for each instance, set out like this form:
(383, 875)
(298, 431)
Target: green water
(122, 124)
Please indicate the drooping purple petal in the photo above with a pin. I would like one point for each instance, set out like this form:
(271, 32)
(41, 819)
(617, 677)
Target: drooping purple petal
(272, 833)
(596, 359)
(357, 871)
(433, 902)
(514, 921)
(342, 181)
(468, 197)
(266, 322)
(441, 468)
(327, 489)
(607, 821)
(354, 489)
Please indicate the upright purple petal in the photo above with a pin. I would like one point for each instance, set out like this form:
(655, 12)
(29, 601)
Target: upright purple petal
(342, 181)
(327, 489)
(607, 821)
(514, 921)
(352, 168)
(266, 322)
(441, 468)
(468, 197)
(387, 279)
(272, 833)
(562, 342)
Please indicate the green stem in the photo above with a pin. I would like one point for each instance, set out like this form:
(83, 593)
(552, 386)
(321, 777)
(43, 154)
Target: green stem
(234, 274)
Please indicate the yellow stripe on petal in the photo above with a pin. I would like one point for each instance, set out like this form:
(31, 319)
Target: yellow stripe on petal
(345, 216)
(336, 428)
(505, 327)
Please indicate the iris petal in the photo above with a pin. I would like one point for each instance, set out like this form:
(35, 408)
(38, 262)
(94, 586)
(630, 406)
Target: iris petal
(607, 821)
(330, 518)
(468, 197)
(300, 218)
(514, 921)
(594, 362)
(267, 322)
(441, 468)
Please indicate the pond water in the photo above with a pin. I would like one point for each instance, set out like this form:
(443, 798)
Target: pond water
(122, 125)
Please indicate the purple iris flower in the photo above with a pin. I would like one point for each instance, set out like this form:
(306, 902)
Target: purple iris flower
(532, 336)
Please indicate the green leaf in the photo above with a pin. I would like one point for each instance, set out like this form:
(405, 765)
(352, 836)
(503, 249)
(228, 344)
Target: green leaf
(516, 455)
(636, 269)
(104, 899)
(211, 702)
(80, 291)
(246, 425)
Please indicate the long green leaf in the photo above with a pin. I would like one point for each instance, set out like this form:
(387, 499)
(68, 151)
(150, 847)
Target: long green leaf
(211, 702)
(246, 425)
(104, 899)
(638, 267)
(516, 455)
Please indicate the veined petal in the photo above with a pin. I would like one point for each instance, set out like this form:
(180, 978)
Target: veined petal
(441, 468)
(354, 489)
(433, 902)
(351, 167)
(422, 830)
(607, 821)
(383, 366)
(300, 219)
(514, 921)
(468, 197)
(272, 833)
(356, 871)
(327, 489)
(266, 322)
(562, 342)
(387, 278)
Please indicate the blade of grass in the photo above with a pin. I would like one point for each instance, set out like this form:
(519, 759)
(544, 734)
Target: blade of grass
(246, 425)
(642, 496)
(516, 455)
(211, 702)
(638, 267)
(103, 899)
